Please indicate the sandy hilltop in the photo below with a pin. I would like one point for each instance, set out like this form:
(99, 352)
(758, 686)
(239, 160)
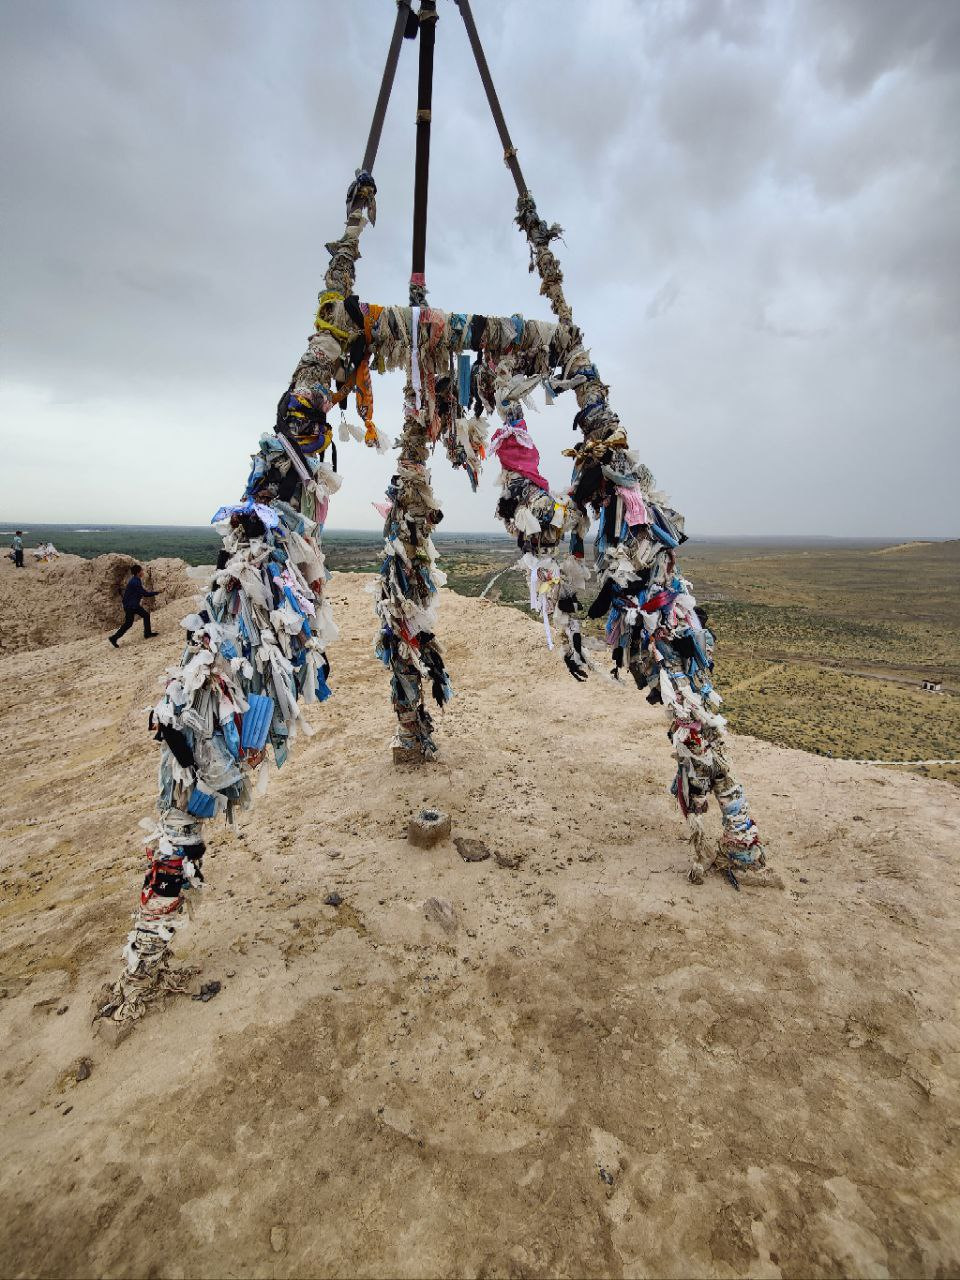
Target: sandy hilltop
(597, 1069)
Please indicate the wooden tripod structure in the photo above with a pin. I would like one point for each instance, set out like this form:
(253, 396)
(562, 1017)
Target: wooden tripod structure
(257, 646)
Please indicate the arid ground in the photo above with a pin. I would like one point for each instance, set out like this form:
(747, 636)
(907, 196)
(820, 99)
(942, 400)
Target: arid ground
(597, 1070)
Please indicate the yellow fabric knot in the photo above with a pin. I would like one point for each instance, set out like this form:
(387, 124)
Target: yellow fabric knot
(327, 299)
(370, 436)
(302, 407)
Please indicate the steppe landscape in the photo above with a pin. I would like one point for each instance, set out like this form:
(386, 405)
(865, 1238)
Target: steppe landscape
(592, 1069)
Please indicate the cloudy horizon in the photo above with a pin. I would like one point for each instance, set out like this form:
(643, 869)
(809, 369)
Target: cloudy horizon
(761, 204)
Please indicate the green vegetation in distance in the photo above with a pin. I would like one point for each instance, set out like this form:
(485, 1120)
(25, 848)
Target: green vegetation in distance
(821, 644)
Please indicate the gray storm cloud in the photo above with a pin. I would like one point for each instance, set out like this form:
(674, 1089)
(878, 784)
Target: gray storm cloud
(761, 214)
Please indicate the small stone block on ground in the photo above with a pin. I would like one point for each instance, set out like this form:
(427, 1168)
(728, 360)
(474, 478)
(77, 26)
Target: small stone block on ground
(428, 826)
(407, 755)
(760, 878)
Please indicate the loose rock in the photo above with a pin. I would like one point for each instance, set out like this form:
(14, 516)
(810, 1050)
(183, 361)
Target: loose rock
(441, 912)
(333, 900)
(112, 1032)
(509, 860)
(471, 850)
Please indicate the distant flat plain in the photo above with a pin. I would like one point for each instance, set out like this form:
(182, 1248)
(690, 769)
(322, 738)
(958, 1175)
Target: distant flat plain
(822, 643)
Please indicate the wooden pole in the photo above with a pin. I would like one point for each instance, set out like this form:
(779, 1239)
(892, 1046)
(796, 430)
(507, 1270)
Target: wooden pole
(509, 150)
(428, 29)
(386, 84)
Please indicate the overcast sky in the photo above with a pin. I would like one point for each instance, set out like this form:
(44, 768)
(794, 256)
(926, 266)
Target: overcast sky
(761, 214)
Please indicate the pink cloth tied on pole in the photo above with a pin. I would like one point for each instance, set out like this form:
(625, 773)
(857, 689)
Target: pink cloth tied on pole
(633, 506)
(516, 451)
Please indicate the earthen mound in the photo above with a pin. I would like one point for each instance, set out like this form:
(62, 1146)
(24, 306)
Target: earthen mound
(72, 598)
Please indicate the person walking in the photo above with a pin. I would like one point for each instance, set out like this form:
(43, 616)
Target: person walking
(133, 593)
(17, 545)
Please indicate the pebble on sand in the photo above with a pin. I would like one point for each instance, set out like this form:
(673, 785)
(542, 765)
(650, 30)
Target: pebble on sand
(471, 850)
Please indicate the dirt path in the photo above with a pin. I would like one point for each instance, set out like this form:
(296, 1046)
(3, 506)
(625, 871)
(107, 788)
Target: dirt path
(600, 1071)
(905, 762)
(755, 678)
(907, 681)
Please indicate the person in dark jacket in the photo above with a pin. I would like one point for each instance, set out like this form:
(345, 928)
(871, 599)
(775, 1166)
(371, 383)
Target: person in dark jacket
(133, 593)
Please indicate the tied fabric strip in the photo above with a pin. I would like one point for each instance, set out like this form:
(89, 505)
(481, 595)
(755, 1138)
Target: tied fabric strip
(515, 450)
(634, 510)
(544, 609)
(414, 356)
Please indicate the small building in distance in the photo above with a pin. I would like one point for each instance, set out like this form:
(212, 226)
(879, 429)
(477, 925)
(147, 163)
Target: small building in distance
(932, 686)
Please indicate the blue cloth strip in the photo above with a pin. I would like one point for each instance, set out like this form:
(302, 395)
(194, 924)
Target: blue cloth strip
(202, 805)
(463, 380)
(256, 722)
